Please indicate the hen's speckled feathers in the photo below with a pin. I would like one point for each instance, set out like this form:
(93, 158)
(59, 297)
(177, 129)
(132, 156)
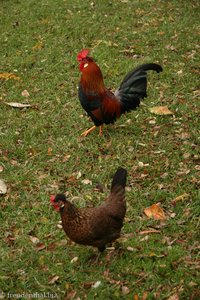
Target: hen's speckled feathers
(99, 225)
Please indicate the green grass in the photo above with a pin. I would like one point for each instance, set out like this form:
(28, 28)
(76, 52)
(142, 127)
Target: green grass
(42, 153)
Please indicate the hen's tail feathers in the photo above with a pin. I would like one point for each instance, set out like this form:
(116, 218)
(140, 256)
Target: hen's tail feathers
(119, 179)
(134, 86)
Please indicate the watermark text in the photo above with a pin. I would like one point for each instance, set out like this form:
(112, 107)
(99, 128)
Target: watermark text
(35, 295)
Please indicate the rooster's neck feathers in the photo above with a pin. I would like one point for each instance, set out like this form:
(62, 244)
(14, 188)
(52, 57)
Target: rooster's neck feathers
(92, 78)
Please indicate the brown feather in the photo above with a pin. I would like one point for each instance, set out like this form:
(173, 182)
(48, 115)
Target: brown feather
(96, 226)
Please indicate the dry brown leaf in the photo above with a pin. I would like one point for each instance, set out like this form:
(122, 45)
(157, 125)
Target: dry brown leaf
(3, 187)
(152, 254)
(8, 76)
(148, 231)
(13, 162)
(86, 181)
(49, 151)
(130, 248)
(184, 135)
(144, 296)
(155, 211)
(174, 297)
(78, 175)
(25, 93)
(39, 45)
(34, 239)
(18, 105)
(125, 290)
(161, 33)
(40, 246)
(53, 279)
(88, 284)
(161, 110)
(182, 197)
(74, 260)
(70, 295)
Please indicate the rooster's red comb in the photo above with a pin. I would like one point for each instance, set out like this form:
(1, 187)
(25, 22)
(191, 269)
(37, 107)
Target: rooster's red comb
(82, 54)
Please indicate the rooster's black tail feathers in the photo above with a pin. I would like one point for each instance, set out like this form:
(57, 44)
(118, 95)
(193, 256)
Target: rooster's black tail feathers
(134, 86)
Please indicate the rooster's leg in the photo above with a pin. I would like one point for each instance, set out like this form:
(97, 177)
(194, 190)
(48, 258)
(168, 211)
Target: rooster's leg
(101, 130)
(85, 133)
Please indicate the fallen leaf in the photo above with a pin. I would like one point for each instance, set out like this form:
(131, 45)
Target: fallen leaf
(1, 169)
(10, 239)
(160, 32)
(49, 151)
(25, 93)
(18, 105)
(39, 45)
(161, 110)
(130, 248)
(53, 279)
(71, 179)
(96, 284)
(182, 197)
(186, 155)
(184, 135)
(88, 284)
(152, 121)
(125, 290)
(70, 295)
(52, 246)
(170, 47)
(148, 231)
(152, 254)
(40, 246)
(8, 76)
(174, 297)
(78, 175)
(144, 238)
(86, 181)
(155, 211)
(180, 72)
(34, 239)
(13, 162)
(74, 260)
(144, 296)
(141, 164)
(3, 187)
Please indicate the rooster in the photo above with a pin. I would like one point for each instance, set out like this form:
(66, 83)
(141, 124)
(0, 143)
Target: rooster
(101, 104)
(96, 226)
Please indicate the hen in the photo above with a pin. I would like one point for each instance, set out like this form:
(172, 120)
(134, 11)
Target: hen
(96, 226)
(101, 104)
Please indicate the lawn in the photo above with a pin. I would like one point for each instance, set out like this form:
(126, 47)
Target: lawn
(42, 152)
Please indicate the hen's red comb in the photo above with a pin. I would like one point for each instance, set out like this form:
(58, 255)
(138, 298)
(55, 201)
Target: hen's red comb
(52, 198)
(82, 54)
